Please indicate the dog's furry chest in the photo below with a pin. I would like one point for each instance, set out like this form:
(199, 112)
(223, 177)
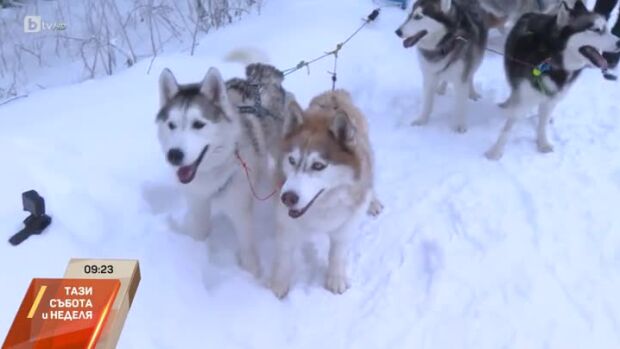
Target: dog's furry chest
(451, 71)
(214, 183)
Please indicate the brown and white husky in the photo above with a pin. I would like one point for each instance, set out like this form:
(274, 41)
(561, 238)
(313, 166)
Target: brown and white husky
(327, 171)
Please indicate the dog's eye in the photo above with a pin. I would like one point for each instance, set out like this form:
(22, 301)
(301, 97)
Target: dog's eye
(197, 125)
(317, 166)
(417, 16)
(172, 125)
(598, 30)
(291, 160)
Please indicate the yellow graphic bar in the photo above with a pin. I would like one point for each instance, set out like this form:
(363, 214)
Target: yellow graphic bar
(37, 300)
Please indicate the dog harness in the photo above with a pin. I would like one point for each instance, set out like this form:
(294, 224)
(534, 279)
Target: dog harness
(256, 109)
(448, 44)
(447, 48)
(537, 76)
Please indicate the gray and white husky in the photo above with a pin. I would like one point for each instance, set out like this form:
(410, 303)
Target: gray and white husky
(544, 56)
(502, 12)
(451, 36)
(327, 170)
(208, 142)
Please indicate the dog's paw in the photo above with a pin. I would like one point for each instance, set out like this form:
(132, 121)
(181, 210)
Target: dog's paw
(493, 154)
(421, 121)
(195, 232)
(336, 283)
(200, 234)
(375, 208)
(545, 147)
(442, 88)
(198, 229)
(249, 261)
(279, 287)
(474, 96)
(460, 129)
(504, 105)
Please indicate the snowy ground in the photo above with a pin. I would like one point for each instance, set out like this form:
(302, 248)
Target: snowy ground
(521, 253)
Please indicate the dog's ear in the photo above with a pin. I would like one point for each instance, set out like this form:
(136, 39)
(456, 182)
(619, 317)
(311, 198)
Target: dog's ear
(446, 5)
(293, 119)
(343, 129)
(564, 14)
(213, 86)
(168, 87)
(580, 8)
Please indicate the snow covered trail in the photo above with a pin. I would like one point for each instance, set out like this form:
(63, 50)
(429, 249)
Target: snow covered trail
(520, 253)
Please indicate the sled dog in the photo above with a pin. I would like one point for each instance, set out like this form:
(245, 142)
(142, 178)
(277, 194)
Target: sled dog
(451, 36)
(327, 170)
(502, 12)
(207, 138)
(544, 56)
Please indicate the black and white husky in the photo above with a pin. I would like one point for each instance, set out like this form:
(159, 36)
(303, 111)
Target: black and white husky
(503, 12)
(208, 141)
(544, 56)
(451, 36)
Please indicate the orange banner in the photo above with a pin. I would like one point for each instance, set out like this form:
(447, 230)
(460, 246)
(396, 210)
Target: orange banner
(62, 314)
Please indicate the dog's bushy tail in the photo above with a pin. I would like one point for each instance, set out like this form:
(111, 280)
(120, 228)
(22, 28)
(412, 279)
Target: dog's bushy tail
(247, 56)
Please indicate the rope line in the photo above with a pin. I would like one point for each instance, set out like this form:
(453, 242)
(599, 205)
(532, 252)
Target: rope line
(334, 74)
(247, 171)
(258, 109)
(537, 70)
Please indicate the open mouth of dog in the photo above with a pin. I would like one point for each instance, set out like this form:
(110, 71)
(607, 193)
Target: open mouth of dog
(412, 40)
(187, 173)
(594, 56)
(298, 213)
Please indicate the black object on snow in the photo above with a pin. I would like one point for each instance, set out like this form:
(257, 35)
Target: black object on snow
(36, 222)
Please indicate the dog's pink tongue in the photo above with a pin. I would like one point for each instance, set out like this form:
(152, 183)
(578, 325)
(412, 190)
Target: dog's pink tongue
(412, 40)
(186, 173)
(594, 56)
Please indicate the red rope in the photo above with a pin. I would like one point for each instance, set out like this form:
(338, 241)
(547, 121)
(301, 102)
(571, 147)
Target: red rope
(247, 170)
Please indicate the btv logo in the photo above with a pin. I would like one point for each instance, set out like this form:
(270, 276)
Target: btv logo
(32, 24)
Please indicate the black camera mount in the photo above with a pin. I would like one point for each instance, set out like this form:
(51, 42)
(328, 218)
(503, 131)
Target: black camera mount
(36, 222)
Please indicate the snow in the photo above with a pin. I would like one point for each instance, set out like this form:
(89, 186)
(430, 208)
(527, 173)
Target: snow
(520, 253)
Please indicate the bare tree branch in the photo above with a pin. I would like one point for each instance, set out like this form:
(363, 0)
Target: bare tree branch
(105, 35)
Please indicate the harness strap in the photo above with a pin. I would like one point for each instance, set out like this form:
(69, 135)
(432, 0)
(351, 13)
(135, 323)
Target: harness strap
(256, 109)
(247, 171)
(537, 75)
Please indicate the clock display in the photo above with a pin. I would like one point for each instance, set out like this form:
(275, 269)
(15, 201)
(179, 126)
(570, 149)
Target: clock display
(98, 269)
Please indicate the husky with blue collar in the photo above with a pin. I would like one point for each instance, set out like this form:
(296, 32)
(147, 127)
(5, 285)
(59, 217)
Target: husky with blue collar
(544, 56)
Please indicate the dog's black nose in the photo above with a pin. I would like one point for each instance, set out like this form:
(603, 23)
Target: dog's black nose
(175, 156)
(399, 32)
(290, 199)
